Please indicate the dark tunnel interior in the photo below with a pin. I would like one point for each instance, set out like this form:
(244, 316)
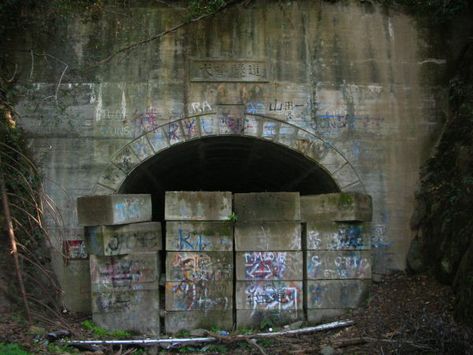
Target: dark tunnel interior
(236, 164)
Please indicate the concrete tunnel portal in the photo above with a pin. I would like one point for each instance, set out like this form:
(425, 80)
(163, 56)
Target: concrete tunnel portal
(227, 163)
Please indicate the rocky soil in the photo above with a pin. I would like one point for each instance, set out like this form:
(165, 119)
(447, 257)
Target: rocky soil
(406, 314)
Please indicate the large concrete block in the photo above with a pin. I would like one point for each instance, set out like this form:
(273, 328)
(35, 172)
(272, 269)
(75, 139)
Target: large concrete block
(267, 236)
(267, 206)
(198, 205)
(269, 265)
(128, 272)
(76, 286)
(337, 236)
(199, 236)
(340, 207)
(269, 295)
(135, 310)
(175, 321)
(261, 319)
(126, 239)
(199, 295)
(203, 266)
(336, 293)
(113, 209)
(125, 292)
(321, 315)
(333, 265)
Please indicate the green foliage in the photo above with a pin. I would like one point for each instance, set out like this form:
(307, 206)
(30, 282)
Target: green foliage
(57, 348)
(245, 331)
(266, 342)
(217, 348)
(435, 11)
(183, 333)
(232, 217)
(101, 332)
(11, 349)
(198, 8)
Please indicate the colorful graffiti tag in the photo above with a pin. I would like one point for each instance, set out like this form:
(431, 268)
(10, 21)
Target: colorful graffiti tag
(265, 265)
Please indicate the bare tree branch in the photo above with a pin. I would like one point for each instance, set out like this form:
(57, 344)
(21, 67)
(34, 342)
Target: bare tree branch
(163, 33)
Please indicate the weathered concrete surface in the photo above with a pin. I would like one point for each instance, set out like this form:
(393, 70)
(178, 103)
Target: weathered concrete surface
(113, 209)
(200, 295)
(268, 265)
(121, 240)
(333, 265)
(134, 310)
(269, 295)
(266, 206)
(198, 205)
(76, 280)
(267, 236)
(125, 292)
(339, 207)
(199, 266)
(176, 321)
(249, 318)
(338, 236)
(320, 315)
(336, 293)
(131, 272)
(199, 236)
(361, 99)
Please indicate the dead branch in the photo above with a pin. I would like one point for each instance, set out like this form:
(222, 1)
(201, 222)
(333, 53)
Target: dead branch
(343, 343)
(255, 345)
(14, 251)
(163, 33)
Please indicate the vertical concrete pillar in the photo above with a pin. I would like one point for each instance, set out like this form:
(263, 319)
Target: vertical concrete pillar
(269, 260)
(337, 255)
(124, 261)
(199, 261)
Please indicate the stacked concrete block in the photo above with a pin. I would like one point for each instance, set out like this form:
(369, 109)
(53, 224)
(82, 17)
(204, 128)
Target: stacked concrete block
(124, 261)
(268, 259)
(113, 209)
(337, 253)
(199, 260)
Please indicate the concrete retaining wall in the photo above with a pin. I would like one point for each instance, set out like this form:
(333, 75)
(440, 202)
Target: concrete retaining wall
(338, 258)
(199, 261)
(269, 260)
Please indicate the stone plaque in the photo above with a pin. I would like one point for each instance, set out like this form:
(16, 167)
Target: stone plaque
(228, 70)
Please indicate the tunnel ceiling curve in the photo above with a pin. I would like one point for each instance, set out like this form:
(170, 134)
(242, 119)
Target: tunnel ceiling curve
(227, 163)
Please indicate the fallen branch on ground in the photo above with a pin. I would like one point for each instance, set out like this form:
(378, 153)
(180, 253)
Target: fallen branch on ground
(181, 341)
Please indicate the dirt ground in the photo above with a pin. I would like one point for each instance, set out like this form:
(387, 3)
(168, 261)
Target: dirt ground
(406, 314)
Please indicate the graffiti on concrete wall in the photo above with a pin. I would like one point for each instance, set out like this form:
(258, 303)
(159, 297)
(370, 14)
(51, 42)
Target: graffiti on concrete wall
(200, 295)
(280, 296)
(120, 243)
(378, 237)
(198, 241)
(129, 209)
(75, 249)
(189, 266)
(338, 266)
(200, 107)
(265, 265)
(116, 301)
(336, 294)
(125, 273)
(347, 237)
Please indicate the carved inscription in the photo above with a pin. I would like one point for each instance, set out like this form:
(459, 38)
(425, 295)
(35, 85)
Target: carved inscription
(218, 70)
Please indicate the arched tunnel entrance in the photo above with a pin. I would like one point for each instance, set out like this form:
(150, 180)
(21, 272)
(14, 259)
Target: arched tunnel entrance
(212, 269)
(227, 163)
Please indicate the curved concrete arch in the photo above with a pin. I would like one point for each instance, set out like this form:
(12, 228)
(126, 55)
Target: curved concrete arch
(260, 127)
